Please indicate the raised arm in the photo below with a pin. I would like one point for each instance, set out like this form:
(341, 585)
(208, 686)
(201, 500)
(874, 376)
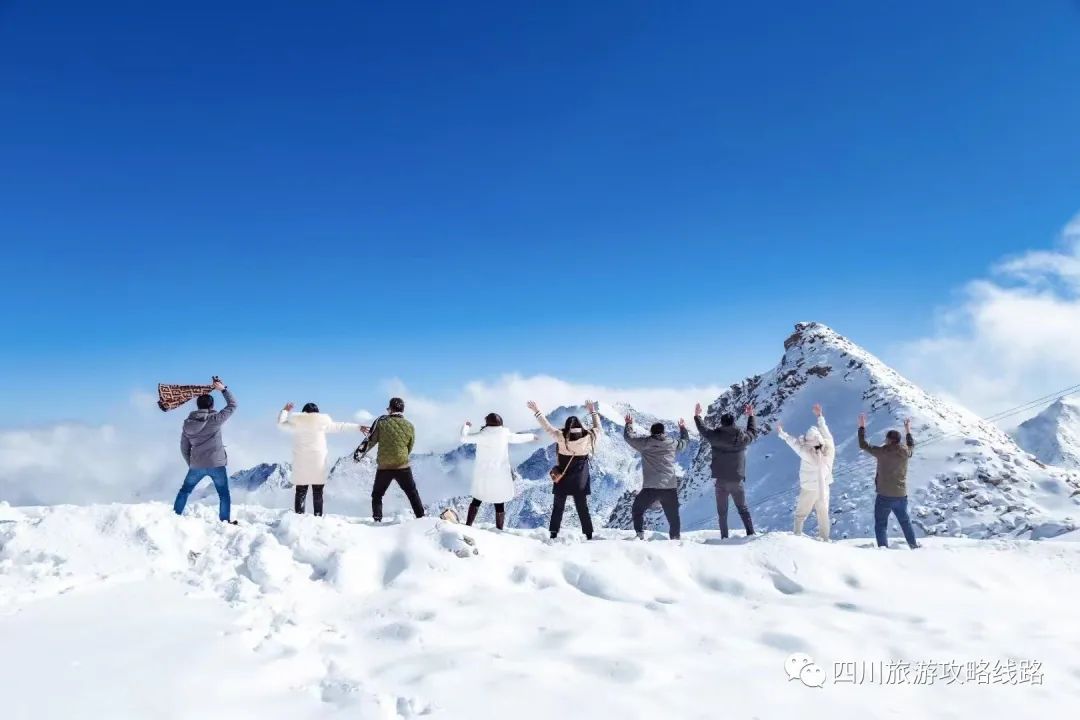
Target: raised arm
(684, 437)
(230, 404)
(522, 438)
(595, 430)
(823, 427)
(910, 440)
(793, 442)
(633, 441)
(703, 430)
(544, 424)
(751, 427)
(468, 438)
(283, 417)
(865, 446)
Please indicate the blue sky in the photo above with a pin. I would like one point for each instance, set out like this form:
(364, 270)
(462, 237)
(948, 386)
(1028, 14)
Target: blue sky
(313, 198)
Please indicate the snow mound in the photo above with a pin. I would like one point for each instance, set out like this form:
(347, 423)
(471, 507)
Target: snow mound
(116, 610)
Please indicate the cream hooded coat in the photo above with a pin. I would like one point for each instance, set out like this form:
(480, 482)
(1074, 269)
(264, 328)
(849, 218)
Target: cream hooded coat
(816, 469)
(309, 443)
(493, 480)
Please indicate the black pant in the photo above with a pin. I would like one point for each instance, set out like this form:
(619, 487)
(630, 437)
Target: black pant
(581, 501)
(499, 507)
(736, 492)
(669, 500)
(405, 481)
(301, 497)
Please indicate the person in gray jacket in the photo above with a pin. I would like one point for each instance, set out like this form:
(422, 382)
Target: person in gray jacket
(203, 451)
(659, 482)
(728, 444)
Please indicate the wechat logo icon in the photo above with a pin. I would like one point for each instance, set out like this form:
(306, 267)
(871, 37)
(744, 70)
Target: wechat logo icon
(800, 666)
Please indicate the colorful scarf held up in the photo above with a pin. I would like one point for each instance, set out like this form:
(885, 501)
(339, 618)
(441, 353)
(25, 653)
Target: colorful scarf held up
(171, 397)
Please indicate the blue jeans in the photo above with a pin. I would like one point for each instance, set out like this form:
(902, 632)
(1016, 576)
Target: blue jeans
(884, 505)
(221, 484)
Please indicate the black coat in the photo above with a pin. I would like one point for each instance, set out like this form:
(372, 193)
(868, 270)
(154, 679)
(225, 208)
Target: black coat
(576, 481)
(728, 446)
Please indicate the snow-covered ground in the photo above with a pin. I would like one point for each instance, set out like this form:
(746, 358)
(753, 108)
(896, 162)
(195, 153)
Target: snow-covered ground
(125, 611)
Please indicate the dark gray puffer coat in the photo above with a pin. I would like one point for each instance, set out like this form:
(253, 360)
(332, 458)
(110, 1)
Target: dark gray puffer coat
(728, 449)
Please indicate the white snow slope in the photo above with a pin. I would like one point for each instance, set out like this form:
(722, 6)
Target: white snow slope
(1053, 436)
(126, 611)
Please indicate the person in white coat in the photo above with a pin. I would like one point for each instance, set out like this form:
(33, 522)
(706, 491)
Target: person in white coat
(493, 480)
(817, 452)
(309, 430)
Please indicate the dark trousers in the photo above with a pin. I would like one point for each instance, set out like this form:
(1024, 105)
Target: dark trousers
(669, 500)
(405, 481)
(500, 513)
(737, 493)
(316, 497)
(581, 501)
(883, 505)
(499, 507)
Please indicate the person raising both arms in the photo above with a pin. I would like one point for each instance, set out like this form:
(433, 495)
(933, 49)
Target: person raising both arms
(728, 444)
(891, 481)
(204, 451)
(309, 429)
(659, 481)
(493, 479)
(395, 437)
(817, 453)
(570, 476)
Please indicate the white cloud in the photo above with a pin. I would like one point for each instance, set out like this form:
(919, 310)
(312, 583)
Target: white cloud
(1014, 336)
(438, 420)
(135, 456)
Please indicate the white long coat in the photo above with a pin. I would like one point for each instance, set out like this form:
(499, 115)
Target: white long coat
(493, 480)
(309, 443)
(816, 468)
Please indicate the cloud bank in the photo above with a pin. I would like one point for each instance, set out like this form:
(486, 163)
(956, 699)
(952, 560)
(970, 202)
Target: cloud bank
(438, 419)
(1015, 335)
(137, 456)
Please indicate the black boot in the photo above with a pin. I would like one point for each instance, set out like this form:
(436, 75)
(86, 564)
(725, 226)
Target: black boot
(473, 509)
(500, 518)
(746, 521)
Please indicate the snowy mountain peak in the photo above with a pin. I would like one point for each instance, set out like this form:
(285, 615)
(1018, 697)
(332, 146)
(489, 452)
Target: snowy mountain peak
(1053, 436)
(968, 477)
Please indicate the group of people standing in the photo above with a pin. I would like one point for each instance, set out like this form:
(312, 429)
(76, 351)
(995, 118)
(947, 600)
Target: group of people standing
(394, 436)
